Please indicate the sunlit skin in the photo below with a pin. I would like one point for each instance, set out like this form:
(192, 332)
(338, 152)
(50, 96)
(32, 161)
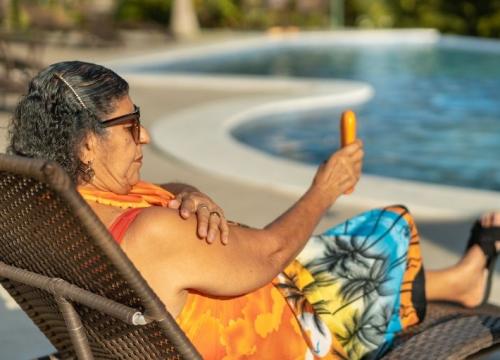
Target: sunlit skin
(468, 276)
(117, 160)
(491, 219)
(160, 239)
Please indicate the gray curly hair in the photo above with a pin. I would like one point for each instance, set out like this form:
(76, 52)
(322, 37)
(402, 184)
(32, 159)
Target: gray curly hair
(64, 102)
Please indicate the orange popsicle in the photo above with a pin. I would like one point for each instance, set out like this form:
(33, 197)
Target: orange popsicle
(347, 128)
(348, 132)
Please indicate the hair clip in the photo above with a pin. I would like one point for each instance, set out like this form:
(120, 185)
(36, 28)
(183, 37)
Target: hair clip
(59, 76)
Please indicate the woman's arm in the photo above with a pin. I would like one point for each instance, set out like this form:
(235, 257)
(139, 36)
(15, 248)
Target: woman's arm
(253, 257)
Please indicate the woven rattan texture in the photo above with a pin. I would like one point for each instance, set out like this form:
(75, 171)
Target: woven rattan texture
(39, 233)
(450, 340)
(449, 332)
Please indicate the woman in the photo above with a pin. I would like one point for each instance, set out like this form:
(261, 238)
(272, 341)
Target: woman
(271, 293)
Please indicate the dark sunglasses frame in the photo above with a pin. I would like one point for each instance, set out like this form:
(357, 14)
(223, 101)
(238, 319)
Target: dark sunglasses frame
(133, 117)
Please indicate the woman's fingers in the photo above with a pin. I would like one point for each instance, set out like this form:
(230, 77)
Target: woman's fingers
(185, 203)
(211, 219)
(177, 201)
(188, 207)
(224, 229)
(217, 224)
(342, 170)
(174, 204)
(351, 152)
(203, 214)
(353, 148)
(214, 221)
(188, 204)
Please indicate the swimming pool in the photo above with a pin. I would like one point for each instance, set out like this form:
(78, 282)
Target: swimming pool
(435, 115)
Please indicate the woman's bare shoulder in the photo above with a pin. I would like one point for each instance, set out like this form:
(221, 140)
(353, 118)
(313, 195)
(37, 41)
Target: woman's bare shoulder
(159, 224)
(156, 241)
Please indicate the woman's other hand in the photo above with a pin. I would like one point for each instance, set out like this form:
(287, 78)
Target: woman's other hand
(340, 172)
(211, 219)
(491, 219)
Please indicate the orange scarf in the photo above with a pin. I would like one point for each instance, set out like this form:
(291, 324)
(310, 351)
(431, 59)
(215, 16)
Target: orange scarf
(143, 194)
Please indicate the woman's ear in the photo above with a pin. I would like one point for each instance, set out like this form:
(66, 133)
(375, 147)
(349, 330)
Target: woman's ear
(89, 148)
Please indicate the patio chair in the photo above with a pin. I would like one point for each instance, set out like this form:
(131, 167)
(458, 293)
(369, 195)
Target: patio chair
(61, 265)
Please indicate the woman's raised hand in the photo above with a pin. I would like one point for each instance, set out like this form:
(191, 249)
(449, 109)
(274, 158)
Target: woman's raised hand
(211, 219)
(340, 172)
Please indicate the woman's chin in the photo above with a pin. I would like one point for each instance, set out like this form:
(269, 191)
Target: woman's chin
(133, 180)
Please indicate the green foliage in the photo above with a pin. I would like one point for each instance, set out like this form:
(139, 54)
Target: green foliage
(16, 15)
(467, 17)
(140, 12)
(370, 13)
(219, 13)
(235, 14)
(32, 15)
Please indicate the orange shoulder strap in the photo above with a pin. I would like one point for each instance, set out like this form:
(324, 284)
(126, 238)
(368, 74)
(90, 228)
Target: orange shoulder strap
(142, 195)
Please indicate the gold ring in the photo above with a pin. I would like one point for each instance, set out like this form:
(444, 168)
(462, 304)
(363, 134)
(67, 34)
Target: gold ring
(202, 206)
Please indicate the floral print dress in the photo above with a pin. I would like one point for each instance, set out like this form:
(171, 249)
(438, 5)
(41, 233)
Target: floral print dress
(345, 296)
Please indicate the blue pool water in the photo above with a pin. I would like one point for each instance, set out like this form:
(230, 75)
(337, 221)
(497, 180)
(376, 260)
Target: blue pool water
(435, 115)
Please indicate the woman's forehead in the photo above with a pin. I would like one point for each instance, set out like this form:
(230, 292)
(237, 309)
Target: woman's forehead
(122, 106)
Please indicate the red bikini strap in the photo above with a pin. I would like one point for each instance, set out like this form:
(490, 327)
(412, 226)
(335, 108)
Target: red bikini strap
(119, 227)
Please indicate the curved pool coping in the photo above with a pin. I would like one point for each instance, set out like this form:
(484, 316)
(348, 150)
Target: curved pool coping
(212, 148)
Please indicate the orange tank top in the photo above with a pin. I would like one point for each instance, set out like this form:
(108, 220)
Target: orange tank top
(259, 325)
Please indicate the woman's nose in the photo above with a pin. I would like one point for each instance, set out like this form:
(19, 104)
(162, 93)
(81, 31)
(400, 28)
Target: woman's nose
(144, 138)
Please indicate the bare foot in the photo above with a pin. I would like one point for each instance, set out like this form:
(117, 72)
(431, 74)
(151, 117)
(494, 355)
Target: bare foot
(471, 276)
(464, 283)
(491, 219)
(473, 267)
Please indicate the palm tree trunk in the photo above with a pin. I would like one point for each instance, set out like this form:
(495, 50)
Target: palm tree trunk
(6, 14)
(99, 20)
(183, 21)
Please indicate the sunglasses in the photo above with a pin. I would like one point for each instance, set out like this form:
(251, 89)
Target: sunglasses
(134, 118)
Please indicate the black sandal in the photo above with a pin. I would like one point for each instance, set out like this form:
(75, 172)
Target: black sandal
(486, 239)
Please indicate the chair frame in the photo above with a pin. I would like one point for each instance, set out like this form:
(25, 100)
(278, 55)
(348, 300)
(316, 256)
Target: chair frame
(69, 298)
(65, 293)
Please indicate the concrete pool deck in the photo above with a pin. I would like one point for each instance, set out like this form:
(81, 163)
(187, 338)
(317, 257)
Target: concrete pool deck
(253, 203)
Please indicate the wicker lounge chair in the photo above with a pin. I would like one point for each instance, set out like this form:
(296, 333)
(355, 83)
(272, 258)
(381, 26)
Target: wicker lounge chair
(61, 265)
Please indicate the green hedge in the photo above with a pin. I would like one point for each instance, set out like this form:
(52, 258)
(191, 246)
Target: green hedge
(468, 17)
(234, 14)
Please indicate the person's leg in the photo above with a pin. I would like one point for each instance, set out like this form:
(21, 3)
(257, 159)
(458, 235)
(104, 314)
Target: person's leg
(364, 279)
(463, 282)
